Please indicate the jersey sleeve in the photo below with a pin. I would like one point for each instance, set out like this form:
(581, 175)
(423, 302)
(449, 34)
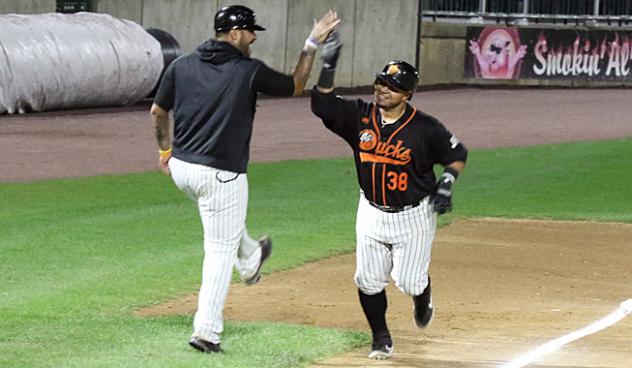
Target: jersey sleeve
(338, 114)
(272, 83)
(445, 146)
(166, 92)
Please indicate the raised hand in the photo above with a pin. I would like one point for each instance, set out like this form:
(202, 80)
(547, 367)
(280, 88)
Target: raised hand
(323, 27)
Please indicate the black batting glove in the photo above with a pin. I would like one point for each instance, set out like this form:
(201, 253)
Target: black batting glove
(330, 50)
(329, 54)
(441, 199)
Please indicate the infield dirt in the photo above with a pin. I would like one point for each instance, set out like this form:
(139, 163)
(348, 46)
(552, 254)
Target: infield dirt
(500, 288)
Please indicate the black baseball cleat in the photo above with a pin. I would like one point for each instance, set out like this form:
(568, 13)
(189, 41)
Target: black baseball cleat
(266, 250)
(424, 315)
(423, 311)
(382, 346)
(205, 346)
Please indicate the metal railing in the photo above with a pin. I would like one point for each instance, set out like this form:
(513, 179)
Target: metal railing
(73, 6)
(611, 12)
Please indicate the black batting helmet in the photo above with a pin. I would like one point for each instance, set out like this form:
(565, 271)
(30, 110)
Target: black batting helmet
(236, 17)
(399, 74)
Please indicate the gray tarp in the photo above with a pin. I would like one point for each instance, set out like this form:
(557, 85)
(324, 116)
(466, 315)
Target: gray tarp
(57, 61)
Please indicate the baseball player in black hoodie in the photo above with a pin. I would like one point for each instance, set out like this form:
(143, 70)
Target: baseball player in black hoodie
(213, 94)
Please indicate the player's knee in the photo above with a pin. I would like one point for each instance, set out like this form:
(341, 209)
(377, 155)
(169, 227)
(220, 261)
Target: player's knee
(369, 286)
(409, 287)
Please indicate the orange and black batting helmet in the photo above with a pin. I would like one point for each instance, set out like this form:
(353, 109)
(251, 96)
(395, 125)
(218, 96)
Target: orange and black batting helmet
(399, 74)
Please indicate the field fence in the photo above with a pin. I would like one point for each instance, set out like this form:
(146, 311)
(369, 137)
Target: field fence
(566, 12)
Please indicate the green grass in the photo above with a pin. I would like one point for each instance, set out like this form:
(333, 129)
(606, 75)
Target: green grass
(118, 341)
(572, 181)
(77, 256)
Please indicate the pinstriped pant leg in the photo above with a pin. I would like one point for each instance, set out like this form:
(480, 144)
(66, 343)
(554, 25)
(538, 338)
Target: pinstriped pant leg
(411, 253)
(373, 257)
(223, 212)
(248, 256)
(222, 205)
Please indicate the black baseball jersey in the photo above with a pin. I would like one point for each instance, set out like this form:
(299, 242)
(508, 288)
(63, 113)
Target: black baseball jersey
(394, 162)
(213, 93)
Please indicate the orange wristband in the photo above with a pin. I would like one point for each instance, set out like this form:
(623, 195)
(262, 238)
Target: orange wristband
(165, 153)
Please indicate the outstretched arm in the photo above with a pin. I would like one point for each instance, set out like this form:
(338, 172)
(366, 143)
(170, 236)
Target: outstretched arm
(319, 33)
(330, 53)
(338, 114)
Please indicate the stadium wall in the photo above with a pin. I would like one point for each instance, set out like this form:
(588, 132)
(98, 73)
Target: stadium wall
(373, 32)
(27, 7)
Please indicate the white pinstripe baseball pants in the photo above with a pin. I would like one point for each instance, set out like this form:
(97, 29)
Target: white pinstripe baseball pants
(222, 199)
(395, 244)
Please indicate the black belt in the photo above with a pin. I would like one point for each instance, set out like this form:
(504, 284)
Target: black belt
(391, 209)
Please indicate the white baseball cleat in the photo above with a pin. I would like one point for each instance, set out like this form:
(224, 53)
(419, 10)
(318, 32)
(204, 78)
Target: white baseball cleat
(381, 352)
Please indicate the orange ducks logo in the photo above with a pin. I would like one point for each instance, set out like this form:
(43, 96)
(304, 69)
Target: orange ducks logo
(368, 140)
(383, 152)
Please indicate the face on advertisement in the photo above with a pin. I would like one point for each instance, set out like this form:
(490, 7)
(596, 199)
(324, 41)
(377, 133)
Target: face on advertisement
(497, 52)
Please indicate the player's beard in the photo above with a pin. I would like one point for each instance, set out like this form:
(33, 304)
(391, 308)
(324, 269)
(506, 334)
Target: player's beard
(245, 49)
(244, 46)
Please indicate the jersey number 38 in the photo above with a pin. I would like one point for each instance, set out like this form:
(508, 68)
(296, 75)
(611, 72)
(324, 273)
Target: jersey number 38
(397, 181)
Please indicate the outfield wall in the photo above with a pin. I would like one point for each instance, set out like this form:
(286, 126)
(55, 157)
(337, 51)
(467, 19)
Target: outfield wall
(373, 32)
(371, 35)
(27, 7)
(366, 29)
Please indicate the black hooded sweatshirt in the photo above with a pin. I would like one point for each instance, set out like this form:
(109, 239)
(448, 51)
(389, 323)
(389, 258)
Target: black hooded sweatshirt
(213, 93)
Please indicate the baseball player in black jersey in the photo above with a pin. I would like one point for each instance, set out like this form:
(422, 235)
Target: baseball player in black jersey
(213, 94)
(395, 147)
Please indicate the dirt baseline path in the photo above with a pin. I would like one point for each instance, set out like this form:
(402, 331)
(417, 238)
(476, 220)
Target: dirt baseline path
(500, 288)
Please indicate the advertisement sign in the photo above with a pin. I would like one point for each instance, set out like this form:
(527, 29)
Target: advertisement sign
(517, 53)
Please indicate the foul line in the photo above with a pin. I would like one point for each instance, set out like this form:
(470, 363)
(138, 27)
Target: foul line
(624, 309)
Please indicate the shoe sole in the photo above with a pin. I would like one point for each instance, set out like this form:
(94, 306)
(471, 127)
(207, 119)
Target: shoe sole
(264, 257)
(203, 348)
(196, 346)
(380, 355)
